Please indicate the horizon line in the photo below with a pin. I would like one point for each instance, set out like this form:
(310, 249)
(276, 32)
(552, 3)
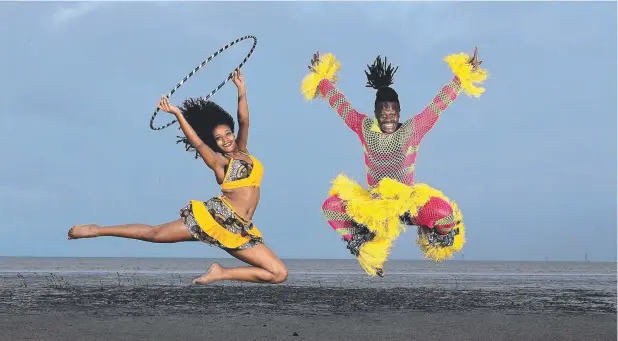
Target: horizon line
(322, 259)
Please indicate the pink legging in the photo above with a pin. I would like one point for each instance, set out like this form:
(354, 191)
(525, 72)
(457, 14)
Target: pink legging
(436, 213)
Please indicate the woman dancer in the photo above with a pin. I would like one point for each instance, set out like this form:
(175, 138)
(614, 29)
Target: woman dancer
(370, 220)
(223, 221)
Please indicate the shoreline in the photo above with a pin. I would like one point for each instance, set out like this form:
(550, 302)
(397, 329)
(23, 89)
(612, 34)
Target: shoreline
(397, 260)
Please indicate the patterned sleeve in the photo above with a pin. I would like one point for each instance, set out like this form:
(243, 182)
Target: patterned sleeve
(424, 121)
(342, 106)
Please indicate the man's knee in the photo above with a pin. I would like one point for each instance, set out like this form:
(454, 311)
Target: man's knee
(333, 204)
(334, 211)
(436, 213)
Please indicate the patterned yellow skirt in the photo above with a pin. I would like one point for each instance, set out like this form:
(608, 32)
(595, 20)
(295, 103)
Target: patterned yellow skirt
(215, 223)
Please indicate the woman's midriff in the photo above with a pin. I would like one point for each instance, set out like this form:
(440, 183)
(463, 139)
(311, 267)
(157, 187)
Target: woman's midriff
(243, 200)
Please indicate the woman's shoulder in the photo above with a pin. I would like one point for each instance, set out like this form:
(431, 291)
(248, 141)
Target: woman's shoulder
(223, 160)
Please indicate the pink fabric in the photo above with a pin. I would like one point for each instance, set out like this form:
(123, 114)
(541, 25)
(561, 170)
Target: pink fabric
(334, 204)
(377, 160)
(353, 119)
(434, 210)
(387, 156)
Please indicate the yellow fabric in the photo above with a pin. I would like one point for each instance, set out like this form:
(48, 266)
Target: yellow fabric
(209, 225)
(253, 180)
(375, 127)
(381, 207)
(373, 255)
(461, 67)
(327, 67)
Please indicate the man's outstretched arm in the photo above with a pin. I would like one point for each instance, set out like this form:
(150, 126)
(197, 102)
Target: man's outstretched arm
(467, 72)
(319, 82)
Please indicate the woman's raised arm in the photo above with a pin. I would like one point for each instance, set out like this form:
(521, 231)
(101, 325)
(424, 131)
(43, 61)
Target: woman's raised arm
(243, 111)
(208, 155)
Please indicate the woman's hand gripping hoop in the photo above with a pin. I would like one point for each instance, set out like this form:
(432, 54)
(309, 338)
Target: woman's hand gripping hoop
(198, 68)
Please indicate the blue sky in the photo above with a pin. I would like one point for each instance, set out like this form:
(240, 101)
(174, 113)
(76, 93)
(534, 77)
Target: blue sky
(532, 163)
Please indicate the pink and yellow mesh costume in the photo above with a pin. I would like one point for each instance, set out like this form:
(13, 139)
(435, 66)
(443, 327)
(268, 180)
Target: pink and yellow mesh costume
(370, 220)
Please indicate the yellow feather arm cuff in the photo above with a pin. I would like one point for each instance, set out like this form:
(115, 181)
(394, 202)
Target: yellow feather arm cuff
(327, 67)
(459, 64)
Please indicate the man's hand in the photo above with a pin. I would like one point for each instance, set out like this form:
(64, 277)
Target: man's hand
(474, 60)
(314, 61)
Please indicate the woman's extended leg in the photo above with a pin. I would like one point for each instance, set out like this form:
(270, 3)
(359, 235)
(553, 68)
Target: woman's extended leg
(267, 268)
(172, 232)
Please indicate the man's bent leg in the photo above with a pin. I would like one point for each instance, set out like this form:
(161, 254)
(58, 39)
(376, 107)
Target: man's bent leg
(436, 214)
(333, 210)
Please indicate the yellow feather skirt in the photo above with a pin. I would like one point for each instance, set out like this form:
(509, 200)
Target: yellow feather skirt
(380, 209)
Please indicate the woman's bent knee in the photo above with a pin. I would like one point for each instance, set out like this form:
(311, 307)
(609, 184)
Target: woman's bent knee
(280, 275)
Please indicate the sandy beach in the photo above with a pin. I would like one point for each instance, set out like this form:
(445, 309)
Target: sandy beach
(230, 312)
(134, 299)
(406, 325)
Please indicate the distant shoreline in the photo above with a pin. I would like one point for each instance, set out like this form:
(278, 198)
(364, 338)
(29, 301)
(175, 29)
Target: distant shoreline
(311, 259)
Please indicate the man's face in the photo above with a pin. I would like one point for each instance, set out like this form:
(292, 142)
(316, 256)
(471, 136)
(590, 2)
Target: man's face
(387, 114)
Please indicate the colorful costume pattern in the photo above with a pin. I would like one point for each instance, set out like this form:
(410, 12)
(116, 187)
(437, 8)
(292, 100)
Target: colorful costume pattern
(215, 222)
(370, 220)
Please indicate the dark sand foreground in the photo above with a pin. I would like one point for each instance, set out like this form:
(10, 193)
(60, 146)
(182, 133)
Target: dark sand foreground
(65, 312)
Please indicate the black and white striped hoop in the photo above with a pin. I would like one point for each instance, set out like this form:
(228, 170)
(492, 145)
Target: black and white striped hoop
(198, 68)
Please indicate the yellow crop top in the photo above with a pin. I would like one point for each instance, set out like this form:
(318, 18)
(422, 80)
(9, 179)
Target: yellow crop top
(240, 173)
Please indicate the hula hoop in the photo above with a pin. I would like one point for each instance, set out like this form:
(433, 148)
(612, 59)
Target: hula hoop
(198, 68)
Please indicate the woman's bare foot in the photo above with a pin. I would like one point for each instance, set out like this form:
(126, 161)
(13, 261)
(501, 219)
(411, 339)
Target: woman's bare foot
(213, 274)
(82, 231)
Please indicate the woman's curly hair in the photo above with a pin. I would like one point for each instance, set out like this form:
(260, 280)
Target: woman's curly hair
(204, 116)
(380, 76)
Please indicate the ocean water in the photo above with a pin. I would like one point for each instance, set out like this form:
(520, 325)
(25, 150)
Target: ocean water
(462, 275)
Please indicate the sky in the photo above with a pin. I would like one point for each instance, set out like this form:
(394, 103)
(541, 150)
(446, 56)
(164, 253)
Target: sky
(532, 163)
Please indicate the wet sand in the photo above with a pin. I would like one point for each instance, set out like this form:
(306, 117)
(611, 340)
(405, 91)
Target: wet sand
(63, 311)
(273, 326)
